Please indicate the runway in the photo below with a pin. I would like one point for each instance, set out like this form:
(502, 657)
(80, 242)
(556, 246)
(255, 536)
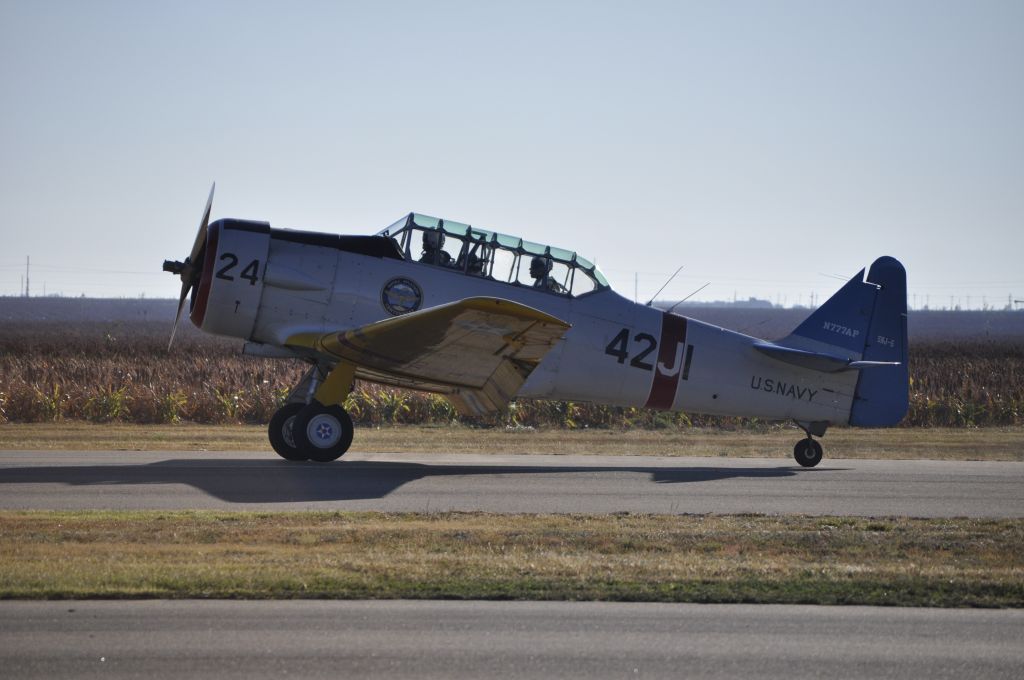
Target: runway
(507, 484)
(431, 639)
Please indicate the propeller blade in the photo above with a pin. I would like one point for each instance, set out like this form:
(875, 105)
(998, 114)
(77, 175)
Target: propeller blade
(203, 225)
(177, 317)
(191, 268)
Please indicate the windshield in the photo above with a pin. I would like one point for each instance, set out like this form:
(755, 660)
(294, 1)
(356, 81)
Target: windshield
(509, 259)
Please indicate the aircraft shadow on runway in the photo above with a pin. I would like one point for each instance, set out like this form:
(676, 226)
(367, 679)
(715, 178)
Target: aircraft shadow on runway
(259, 482)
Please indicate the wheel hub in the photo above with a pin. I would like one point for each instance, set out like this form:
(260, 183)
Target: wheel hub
(323, 431)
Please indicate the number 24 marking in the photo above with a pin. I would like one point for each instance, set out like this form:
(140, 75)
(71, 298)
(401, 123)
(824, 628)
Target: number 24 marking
(618, 349)
(249, 273)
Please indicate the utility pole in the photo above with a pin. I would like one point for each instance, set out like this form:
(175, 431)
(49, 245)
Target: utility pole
(26, 275)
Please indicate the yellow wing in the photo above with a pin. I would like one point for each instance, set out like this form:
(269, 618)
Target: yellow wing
(477, 351)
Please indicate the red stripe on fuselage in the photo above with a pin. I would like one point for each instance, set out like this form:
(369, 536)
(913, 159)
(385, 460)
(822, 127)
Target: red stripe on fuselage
(670, 362)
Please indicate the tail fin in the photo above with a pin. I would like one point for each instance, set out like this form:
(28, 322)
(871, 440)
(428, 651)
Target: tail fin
(867, 317)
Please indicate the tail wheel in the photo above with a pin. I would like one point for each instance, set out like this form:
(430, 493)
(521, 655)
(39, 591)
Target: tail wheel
(323, 433)
(281, 432)
(807, 452)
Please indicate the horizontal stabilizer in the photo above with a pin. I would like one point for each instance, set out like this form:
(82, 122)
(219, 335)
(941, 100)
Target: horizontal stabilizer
(817, 361)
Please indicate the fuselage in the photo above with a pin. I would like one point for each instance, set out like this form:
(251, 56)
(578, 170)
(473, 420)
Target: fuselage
(266, 285)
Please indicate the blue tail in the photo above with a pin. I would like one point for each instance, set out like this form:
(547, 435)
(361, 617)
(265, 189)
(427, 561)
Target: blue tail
(867, 318)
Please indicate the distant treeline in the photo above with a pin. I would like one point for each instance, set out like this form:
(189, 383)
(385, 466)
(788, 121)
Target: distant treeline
(771, 324)
(122, 372)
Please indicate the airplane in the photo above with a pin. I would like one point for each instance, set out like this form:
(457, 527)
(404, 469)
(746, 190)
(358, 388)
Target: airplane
(484, 318)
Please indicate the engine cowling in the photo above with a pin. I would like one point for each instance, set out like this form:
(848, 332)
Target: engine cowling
(227, 300)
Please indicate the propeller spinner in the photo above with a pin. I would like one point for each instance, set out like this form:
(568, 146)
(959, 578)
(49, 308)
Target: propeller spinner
(191, 269)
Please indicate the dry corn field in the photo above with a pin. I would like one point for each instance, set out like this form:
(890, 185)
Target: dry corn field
(122, 372)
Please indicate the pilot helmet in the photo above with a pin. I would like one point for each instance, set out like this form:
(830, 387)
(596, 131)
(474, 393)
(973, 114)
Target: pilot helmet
(433, 239)
(540, 266)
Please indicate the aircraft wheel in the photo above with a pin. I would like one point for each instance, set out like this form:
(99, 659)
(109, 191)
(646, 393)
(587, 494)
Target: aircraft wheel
(323, 433)
(281, 435)
(807, 452)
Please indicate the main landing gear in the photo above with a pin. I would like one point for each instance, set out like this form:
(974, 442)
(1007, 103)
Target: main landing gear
(807, 451)
(311, 432)
(317, 428)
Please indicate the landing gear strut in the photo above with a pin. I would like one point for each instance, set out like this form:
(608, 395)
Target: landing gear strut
(807, 451)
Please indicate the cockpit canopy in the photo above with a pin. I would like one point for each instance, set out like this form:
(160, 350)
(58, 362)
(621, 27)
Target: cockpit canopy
(509, 259)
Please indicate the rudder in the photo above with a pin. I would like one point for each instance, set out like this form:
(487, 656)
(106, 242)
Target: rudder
(882, 396)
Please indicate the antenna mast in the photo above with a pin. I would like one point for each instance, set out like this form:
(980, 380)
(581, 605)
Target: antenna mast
(669, 310)
(651, 301)
(26, 275)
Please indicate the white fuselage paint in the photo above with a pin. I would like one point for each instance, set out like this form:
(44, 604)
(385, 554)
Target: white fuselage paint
(311, 288)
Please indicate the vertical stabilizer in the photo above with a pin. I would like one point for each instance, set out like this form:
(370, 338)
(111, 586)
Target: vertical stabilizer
(883, 394)
(841, 323)
(866, 320)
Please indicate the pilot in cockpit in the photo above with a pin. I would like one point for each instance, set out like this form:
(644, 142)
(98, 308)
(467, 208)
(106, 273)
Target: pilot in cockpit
(540, 270)
(433, 253)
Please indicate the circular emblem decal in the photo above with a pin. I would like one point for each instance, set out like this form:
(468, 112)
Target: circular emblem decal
(401, 296)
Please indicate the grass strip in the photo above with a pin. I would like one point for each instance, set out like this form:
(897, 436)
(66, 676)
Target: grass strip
(693, 558)
(777, 441)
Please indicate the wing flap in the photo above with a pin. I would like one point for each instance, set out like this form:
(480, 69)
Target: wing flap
(478, 351)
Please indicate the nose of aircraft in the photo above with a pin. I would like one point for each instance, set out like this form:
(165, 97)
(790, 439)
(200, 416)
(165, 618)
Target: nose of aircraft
(191, 269)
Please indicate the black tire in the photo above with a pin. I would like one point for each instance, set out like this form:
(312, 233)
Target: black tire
(280, 432)
(807, 452)
(323, 433)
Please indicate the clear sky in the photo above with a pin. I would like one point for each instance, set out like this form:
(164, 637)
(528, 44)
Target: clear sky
(767, 146)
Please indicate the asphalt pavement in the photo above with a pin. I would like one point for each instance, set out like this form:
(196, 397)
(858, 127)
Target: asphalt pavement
(431, 639)
(508, 484)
